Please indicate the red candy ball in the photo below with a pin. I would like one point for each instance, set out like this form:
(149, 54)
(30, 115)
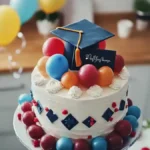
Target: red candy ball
(88, 75)
(119, 64)
(114, 141)
(130, 103)
(124, 128)
(53, 46)
(48, 142)
(35, 132)
(81, 145)
(102, 45)
(26, 107)
(28, 118)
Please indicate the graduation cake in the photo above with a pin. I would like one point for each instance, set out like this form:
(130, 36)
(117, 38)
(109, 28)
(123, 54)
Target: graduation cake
(79, 93)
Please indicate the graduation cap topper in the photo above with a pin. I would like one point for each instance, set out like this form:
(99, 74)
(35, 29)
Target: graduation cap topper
(84, 37)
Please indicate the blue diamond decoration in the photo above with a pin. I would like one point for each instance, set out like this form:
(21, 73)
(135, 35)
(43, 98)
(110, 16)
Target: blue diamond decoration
(107, 114)
(70, 122)
(39, 107)
(89, 122)
(31, 94)
(51, 116)
(122, 105)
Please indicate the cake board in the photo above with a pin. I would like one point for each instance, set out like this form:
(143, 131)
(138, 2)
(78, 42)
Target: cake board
(23, 137)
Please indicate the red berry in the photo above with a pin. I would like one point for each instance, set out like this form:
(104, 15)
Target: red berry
(65, 112)
(19, 116)
(114, 105)
(123, 128)
(90, 137)
(81, 144)
(26, 107)
(119, 64)
(130, 103)
(35, 132)
(53, 46)
(116, 109)
(111, 119)
(102, 45)
(36, 143)
(28, 118)
(48, 142)
(36, 120)
(114, 141)
(88, 75)
(133, 134)
(46, 109)
(145, 148)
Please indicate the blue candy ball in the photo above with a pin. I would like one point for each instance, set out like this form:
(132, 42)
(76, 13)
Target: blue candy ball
(64, 144)
(24, 98)
(56, 66)
(134, 111)
(132, 120)
(99, 143)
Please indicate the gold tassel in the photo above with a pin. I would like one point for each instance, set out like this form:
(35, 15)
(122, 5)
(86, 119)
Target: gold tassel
(78, 58)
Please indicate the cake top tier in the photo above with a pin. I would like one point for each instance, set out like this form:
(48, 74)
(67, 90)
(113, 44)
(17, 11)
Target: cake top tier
(81, 61)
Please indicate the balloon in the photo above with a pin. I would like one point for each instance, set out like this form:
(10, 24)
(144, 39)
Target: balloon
(56, 66)
(88, 75)
(99, 143)
(133, 121)
(27, 106)
(81, 144)
(105, 76)
(41, 65)
(24, 98)
(102, 45)
(9, 25)
(51, 6)
(53, 46)
(134, 111)
(119, 64)
(25, 8)
(64, 144)
(28, 118)
(69, 79)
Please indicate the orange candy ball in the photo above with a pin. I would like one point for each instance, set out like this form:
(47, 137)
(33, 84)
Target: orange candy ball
(41, 65)
(105, 76)
(69, 79)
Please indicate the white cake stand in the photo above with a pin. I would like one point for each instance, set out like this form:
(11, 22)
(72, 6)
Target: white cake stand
(24, 138)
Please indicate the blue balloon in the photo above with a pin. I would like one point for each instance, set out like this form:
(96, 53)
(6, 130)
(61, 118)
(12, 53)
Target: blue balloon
(99, 143)
(25, 8)
(24, 98)
(56, 66)
(134, 111)
(132, 120)
(64, 144)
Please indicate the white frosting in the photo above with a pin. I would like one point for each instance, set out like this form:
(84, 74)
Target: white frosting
(116, 84)
(95, 91)
(124, 74)
(75, 92)
(80, 108)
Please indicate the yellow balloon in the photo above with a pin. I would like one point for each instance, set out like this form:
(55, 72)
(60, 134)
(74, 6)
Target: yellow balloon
(9, 25)
(51, 6)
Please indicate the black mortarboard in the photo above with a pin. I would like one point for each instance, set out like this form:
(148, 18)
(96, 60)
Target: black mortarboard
(83, 38)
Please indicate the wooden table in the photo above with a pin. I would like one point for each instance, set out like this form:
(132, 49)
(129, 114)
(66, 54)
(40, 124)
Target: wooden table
(135, 50)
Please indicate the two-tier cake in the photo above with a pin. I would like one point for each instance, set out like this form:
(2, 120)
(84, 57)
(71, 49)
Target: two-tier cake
(79, 93)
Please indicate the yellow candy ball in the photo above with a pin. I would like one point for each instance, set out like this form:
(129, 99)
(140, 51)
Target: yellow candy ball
(41, 65)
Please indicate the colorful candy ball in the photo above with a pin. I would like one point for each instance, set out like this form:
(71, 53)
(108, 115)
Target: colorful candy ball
(56, 66)
(27, 106)
(28, 118)
(133, 121)
(88, 75)
(102, 45)
(69, 79)
(48, 142)
(41, 65)
(106, 76)
(35, 132)
(134, 111)
(115, 141)
(53, 46)
(99, 143)
(119, 64)
(123, 128)
(81, 144)
(24, 98)
(64, 144)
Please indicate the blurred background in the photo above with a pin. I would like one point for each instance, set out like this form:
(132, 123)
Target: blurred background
(129, 20)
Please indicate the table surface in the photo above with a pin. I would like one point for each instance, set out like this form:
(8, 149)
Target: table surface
(135, 50)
